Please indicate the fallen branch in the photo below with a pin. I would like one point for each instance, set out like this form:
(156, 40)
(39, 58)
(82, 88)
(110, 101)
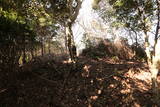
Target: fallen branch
(117, 73)
(43, 78)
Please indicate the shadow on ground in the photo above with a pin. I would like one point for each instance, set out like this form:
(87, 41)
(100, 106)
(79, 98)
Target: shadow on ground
(95, 83)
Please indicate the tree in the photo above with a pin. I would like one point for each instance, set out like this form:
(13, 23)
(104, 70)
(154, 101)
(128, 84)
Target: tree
(17, 29)
(13, 36)
(72, 15)
(139, 15)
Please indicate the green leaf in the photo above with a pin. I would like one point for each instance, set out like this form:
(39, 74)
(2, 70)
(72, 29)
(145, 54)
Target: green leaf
(119, 3)
(42, 20)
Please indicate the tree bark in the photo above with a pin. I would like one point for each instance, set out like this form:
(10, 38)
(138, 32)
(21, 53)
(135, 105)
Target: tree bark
(152, 63)
(72, 16)
(158, 25)
(70, 41)
(49, 45)
(42, 48)
(151, 58)
(155, 67)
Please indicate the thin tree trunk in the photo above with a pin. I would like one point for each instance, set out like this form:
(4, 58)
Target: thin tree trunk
(156, 50)
(156, 53)
(70, 42)
(157, 27)
(32, 53)
(36, 52)
(152, 64)
(32, 49)
(66, 46)
(49, 46)
(147, 50)
(42, 48)
(24, 50)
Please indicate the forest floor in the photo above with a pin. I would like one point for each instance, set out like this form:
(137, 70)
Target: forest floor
(95, 83)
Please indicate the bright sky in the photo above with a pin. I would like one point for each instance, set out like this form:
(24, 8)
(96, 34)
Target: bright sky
(87, 21)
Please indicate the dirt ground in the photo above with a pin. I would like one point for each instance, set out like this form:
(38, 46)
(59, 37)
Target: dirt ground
(95, 83)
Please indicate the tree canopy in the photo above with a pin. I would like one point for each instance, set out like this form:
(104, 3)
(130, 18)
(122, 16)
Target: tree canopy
(38, 42)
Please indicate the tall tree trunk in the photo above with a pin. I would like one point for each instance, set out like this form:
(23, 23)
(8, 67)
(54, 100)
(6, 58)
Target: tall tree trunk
(73, 13)
(156, 53)
(151, 58)
(70, 42)
(155, 68)
(158, 25)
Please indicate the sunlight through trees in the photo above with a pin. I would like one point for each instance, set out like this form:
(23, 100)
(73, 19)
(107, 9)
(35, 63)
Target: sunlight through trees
(66, 53)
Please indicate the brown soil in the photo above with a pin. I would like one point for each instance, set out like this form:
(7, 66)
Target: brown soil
(95, 83)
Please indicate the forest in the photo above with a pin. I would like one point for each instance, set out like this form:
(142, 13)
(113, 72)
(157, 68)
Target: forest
(79, 53)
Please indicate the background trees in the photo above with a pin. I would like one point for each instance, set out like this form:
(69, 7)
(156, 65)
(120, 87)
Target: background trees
(15, 35)
(138, 16)
(36, 30)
